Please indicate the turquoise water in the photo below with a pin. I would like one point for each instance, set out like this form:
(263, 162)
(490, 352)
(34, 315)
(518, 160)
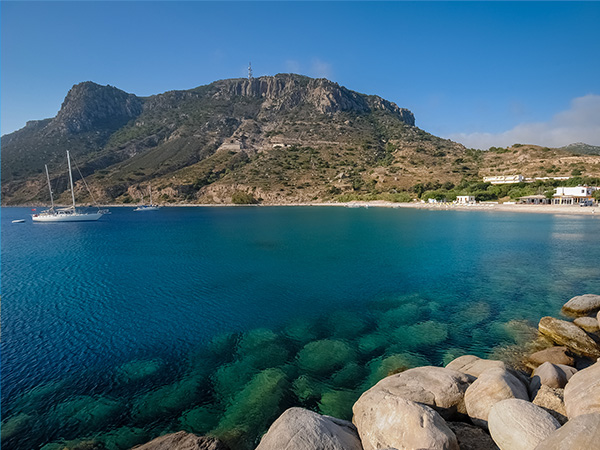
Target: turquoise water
(215, 320)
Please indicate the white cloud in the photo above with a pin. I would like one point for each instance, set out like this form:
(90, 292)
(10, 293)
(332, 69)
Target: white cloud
(321, 69)
(580, 123)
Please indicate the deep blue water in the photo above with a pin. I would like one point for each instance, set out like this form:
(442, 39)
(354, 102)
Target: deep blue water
(109, 313)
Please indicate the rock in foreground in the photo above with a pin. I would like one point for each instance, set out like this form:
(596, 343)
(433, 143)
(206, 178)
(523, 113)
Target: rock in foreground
(301, 429)
(183, 441)
(473, 365)
(493, 386)
(580, 433)
(582, 305)
(582, 392)
(393, 422)
(519, 425)
(554, 355)
(570, 335)
(439, 388)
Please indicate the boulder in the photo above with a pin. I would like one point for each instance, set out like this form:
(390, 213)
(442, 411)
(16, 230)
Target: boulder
(519, 425)
(582, 305)
(570, 335)
(470, 437)
(301, 429)
(472, 365)
(552, 400)
(580, 433)
(589, 324)
(582, 392)
(551, 375)
(554, 355)
(439, 388)
(391, 421)
(183, 441)
(493, 386)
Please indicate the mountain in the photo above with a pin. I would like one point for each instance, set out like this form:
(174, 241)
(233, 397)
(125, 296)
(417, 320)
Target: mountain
(581, 148)
(283, 139)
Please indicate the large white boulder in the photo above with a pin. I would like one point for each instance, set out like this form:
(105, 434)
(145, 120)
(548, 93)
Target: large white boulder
(582, 392)
(439, 388)
(389, 421)
(519, 425)
(552, 375)
(582, 305)
(301, 429)
(580, 433)
(473, 365)
(570, 335)
(492, 386)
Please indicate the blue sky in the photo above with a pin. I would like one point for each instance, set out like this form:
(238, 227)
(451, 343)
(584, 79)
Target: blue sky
(481, 73)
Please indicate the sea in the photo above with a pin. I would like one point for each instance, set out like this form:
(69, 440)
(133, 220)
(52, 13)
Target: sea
(214, 320)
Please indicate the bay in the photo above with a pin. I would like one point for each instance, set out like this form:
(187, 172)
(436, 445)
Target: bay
(196, 318)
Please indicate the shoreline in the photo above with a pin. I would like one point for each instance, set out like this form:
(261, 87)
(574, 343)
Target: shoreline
(493, 207)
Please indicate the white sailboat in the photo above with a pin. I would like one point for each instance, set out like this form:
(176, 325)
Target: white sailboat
(69, 214)
(151, 206)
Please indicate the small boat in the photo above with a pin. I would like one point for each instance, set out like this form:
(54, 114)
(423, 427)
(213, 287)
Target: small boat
(19, 221)
(70, 214)
(151, 206)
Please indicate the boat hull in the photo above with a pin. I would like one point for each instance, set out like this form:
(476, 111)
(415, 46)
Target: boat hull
(146, 208)
(51, 218)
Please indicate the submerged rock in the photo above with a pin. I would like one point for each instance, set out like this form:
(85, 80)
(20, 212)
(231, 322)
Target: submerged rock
(492, 386)
(183, 441)
(301, 429)
(580, 433)
(582, 392)
(325, 356)
(394, 422)
(570, 335)
(582, 304)
(439, 388)
(519, 425)
(393, 364)
(554, 355)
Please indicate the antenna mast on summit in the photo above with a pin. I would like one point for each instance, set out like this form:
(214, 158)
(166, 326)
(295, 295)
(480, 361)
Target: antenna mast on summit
(249, 70)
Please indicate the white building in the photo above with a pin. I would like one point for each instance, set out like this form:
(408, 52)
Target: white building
(504, 179)
(573, 195)
(465, 199)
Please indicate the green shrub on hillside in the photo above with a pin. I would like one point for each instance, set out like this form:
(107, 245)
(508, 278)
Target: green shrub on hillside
(243, 198)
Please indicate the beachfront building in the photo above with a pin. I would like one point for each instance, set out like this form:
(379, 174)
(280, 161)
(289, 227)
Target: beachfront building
(504, 179)
(573, 195)
(465, 199)
(535, 200)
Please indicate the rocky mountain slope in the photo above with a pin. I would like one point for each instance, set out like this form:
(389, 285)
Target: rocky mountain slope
(285, 138)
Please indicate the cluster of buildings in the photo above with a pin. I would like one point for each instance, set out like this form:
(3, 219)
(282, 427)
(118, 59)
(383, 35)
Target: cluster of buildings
(579, 195)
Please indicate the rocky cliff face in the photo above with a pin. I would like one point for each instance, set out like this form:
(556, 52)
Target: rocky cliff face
(89, 106)
(287, 91)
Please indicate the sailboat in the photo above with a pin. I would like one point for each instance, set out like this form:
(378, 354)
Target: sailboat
(151, 206)
(70, 214)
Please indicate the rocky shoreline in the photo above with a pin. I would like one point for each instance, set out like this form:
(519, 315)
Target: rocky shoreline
(551, 402)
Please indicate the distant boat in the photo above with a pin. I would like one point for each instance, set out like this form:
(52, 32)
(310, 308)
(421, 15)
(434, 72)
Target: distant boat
(70, 214)
(19, 221)
(151, 206)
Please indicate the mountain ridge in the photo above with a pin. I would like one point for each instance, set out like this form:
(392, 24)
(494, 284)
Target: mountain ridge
(283, 139)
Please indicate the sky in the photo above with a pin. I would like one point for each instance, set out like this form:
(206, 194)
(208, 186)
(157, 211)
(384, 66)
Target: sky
(480, 73)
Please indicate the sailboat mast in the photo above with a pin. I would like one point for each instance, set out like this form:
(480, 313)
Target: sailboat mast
(49, 187)
(71, 179)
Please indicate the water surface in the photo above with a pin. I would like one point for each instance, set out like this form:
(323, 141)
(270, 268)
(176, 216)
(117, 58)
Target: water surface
(215, 320)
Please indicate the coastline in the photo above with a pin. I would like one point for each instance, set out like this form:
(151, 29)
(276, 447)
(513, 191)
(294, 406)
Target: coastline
(494, 207)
